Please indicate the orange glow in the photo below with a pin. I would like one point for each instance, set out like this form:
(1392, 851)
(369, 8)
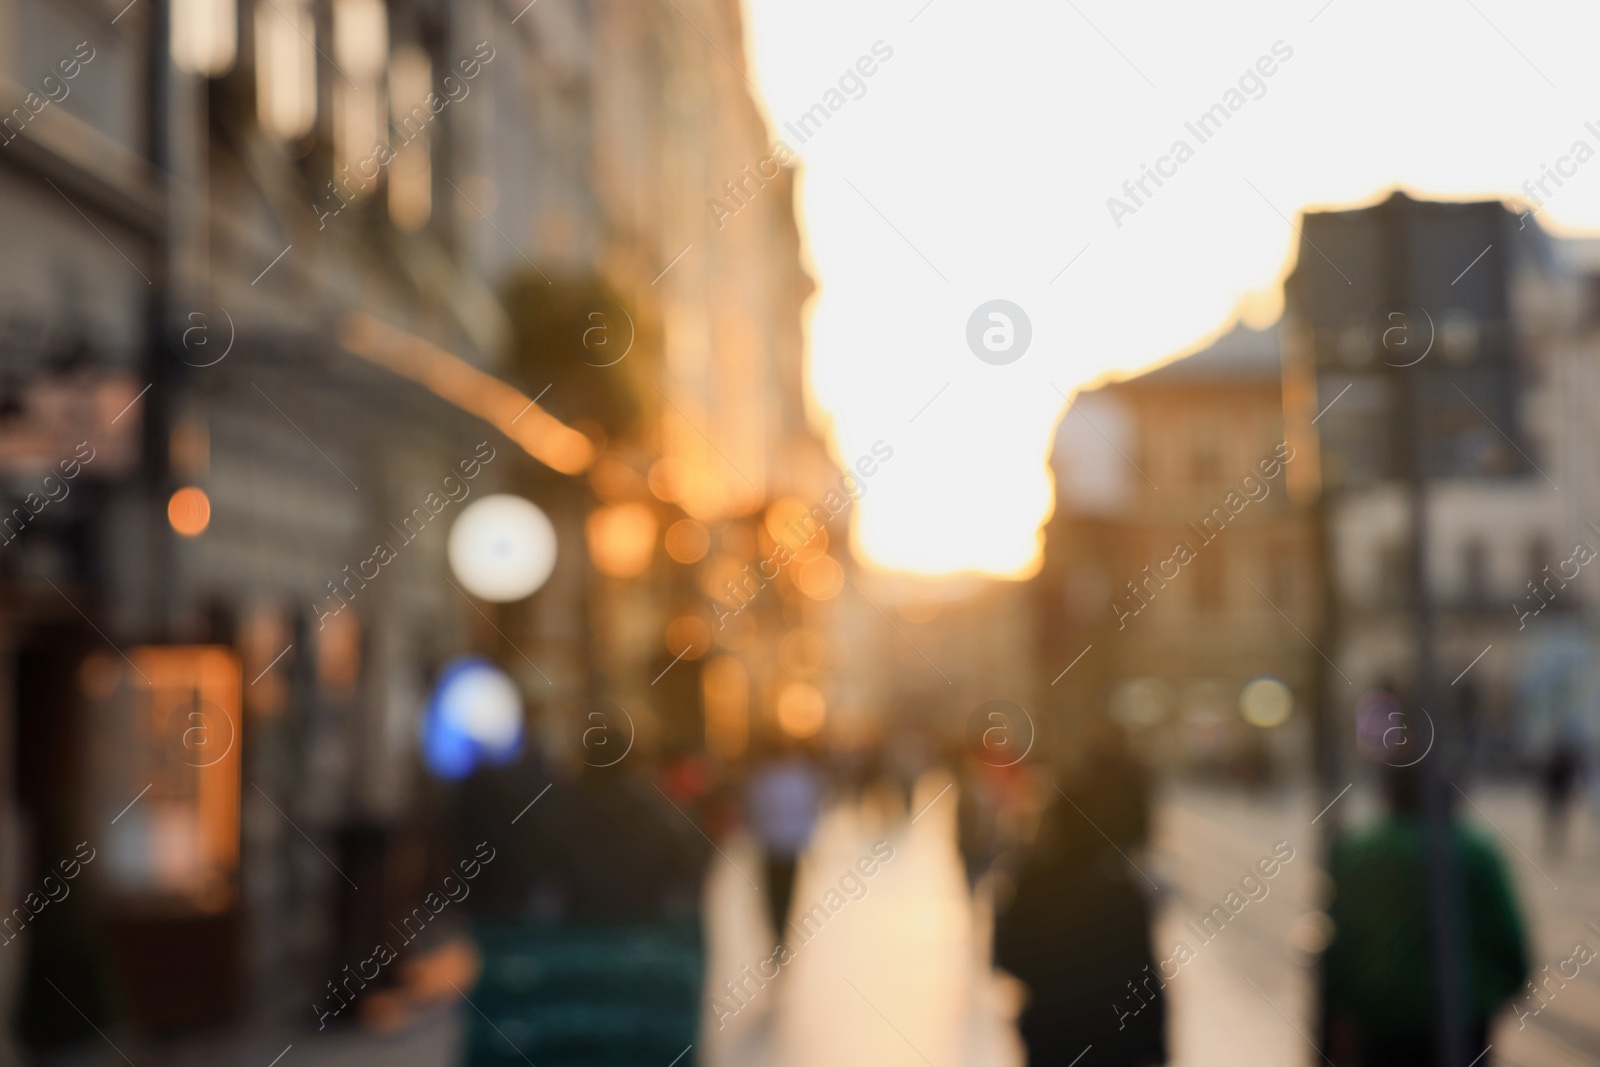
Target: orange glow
(727, 694)
(189, 511)
(613, 480)
(820, 579)
(339, 655)
(540, 434)
(791, 522)
(666, 479)
(801, 710)
(688, 541)
(688, 635)
(189, 699)
(804, 652)
(622, 538)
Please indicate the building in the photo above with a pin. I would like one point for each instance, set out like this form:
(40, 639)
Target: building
(279, 273)
(1487, 320)
(1177, 565)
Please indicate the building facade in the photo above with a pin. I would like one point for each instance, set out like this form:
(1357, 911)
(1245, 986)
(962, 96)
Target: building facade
(1177, 564)
(1499, 362)
(279, 275)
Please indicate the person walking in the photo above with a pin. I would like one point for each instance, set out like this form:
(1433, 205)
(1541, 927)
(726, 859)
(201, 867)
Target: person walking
(1077, 931)
(1377, 982)
(1558, 780)
(783, 800)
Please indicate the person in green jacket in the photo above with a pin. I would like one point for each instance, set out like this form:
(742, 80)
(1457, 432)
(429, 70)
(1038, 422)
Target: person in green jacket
(1377, 984)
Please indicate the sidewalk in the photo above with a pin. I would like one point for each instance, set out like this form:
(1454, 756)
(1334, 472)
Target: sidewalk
(892, 978)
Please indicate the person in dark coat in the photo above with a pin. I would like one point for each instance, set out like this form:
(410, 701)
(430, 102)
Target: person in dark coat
(1077, 932)
(1377, 971)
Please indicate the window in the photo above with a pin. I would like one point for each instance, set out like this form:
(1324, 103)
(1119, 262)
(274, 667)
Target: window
(361, 45)
(286, 68)
(411, 173)
(205, 35)
(167, 734)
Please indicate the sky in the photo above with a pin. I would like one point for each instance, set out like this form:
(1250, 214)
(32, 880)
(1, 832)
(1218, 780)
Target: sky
(977, 161)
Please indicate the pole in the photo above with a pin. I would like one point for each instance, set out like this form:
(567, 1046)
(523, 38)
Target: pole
(1443, 929)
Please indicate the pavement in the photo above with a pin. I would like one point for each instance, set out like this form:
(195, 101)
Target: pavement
(892, 968)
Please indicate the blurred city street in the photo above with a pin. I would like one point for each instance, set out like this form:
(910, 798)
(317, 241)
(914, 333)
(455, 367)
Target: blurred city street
(734, 533)
(901, 977)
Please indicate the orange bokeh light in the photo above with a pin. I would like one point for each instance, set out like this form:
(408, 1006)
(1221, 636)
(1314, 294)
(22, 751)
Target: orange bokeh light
(688, 636)
(622, 538)
(688, 541)
(820, 579)
(189, 511)
(801, 710)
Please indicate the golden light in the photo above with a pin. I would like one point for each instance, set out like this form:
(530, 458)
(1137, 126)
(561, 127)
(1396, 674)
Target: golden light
(666, 478)
(688, 541)
(205, 36)
(339, 655)
(714, 577)
(613, 480)
(622, 538)
(821, 578)
(804, 652)
(726, 686)
(701, 494)
(736, 631)
(689, 636)
(801, 710)
(790, 521)
(189, 511)
(1265, 702)
(185, 721)
(506, 408)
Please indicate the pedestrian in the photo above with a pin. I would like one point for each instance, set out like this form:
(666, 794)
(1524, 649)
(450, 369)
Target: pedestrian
(1558, 780)
(1077, 931)
(783, 799)
(1377, 981)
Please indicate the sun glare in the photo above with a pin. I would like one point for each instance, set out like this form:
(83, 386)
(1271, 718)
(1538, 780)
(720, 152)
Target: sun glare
(1144, 202)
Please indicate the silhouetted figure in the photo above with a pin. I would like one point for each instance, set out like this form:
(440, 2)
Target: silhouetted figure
(1558, 780)
(585, 910)
(1077, 931)
(1377, 981)
(980, 798)
(783, 800)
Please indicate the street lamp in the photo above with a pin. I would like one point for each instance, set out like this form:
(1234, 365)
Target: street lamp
(502, 548)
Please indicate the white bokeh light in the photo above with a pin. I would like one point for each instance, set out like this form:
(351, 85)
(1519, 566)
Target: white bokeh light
(502, 548)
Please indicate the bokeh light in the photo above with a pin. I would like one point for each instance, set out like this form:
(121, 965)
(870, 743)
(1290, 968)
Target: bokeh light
(1265, 702)
(473, 717)
(189, 511)
(801, 710)
(688, 541)
(502, 548)
(622, 538)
